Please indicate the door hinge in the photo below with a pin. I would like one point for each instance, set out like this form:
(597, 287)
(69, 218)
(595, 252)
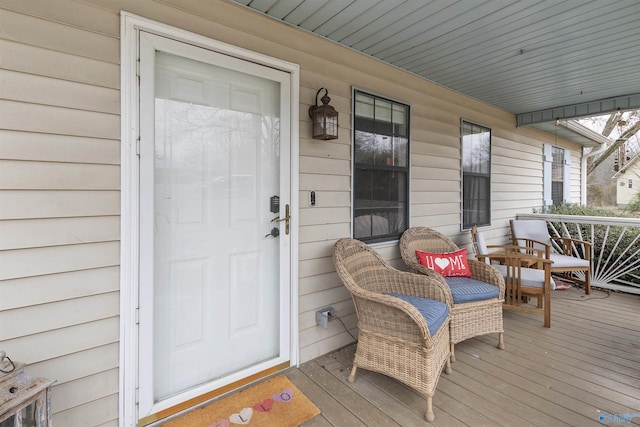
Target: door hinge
(137, 316)
(138, 68)
(138, 147)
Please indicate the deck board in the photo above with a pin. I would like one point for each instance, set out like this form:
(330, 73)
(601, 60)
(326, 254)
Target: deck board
(586, 364)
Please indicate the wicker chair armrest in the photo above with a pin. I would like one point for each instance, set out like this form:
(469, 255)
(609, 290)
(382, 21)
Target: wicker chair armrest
(488, 274)
(432, 286)
(420, 270)
(391, 316)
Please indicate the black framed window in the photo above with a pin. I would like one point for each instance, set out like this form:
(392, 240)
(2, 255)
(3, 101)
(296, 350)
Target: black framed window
(476, 175)
(381, 168)
(557, 175)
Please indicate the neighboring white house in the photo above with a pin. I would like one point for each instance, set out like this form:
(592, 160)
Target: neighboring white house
(627, 182)
(140, 152)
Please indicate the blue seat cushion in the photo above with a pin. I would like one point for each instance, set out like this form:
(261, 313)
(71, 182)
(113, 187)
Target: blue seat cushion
(464, 289)
(434, 312)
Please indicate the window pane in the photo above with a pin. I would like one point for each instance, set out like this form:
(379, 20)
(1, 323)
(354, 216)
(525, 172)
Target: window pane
(557, 175)
(476, 153)
(400, 115)
(400, 148)
(379, 203)
(374, 149)
(364, 105)
(476, 175)
(476, 206)
(381, 160)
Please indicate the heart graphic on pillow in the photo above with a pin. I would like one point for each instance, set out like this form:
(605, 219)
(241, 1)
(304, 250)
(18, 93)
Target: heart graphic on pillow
(243, 417)
(442, 263)
(449, 264)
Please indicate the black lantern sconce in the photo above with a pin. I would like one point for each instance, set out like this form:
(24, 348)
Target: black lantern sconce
(324, 118)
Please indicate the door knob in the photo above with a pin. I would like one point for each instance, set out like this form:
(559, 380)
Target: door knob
(275, 232)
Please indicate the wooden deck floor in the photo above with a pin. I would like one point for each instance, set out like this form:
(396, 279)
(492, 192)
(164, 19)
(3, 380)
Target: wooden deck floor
(585, 366)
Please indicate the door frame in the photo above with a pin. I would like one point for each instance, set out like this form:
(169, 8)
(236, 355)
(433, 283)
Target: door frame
(130, 25)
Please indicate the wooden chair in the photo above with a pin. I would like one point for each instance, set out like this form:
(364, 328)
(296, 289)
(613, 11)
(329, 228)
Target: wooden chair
(468, 319)
(575, 255)
(394, 336)
(525, 275)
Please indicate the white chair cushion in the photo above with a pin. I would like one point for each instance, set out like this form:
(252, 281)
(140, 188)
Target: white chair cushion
(482, 246)
(531, 277)
(564, 261)
(535, 229)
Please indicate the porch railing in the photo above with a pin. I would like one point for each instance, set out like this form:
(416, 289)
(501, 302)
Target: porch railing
(615, 246)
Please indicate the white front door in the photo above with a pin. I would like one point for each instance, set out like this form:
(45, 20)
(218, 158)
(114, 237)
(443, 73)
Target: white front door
(214, 287)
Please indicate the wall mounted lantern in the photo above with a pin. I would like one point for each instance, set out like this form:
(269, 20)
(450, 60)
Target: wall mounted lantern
(324, 118)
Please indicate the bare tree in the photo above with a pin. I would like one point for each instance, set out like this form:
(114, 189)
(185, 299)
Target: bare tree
(624, 126)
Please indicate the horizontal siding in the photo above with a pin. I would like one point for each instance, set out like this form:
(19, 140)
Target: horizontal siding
(76, 14)
(27, 117)
(322, 166)
(321, 248)
(102, 411)
(316, 215)
(19, 204)
(18, 86)
(36, 290)
(60, 65)
(318, 181)
(320, 282)
(27, 175)
(63, 38)
(57, 259)
(35, 348)
(81, 364)
(29, 146)
(313, 233)
(576, 168)
(90, 388)
(32, 233)
(60, 201)
(313, 148)
(315, 267)
(58, 314)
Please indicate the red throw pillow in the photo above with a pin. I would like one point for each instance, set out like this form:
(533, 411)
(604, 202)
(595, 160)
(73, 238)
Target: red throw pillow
(449, 264)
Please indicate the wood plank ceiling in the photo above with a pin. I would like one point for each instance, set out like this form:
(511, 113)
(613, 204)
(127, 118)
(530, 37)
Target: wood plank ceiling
(523, 56)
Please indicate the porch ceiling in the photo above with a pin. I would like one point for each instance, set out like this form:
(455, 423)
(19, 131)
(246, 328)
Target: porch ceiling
(523, 56)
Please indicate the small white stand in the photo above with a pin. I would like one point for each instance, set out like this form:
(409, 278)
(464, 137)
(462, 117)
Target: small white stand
(24, 401)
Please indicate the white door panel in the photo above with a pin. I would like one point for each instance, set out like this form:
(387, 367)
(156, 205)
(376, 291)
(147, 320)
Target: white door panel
(214, 285)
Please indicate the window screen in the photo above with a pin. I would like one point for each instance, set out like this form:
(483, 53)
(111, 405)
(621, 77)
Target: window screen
(476, 175)
(381, 168)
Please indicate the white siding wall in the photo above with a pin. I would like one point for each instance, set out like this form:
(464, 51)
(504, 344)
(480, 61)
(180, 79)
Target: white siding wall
(624, 194)
(60, 202)
(59, 178)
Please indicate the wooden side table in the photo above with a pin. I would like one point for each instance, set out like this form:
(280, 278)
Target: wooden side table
(24, 401)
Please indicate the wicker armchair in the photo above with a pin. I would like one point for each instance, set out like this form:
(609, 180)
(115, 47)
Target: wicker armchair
(394, 338)
(468, 319)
